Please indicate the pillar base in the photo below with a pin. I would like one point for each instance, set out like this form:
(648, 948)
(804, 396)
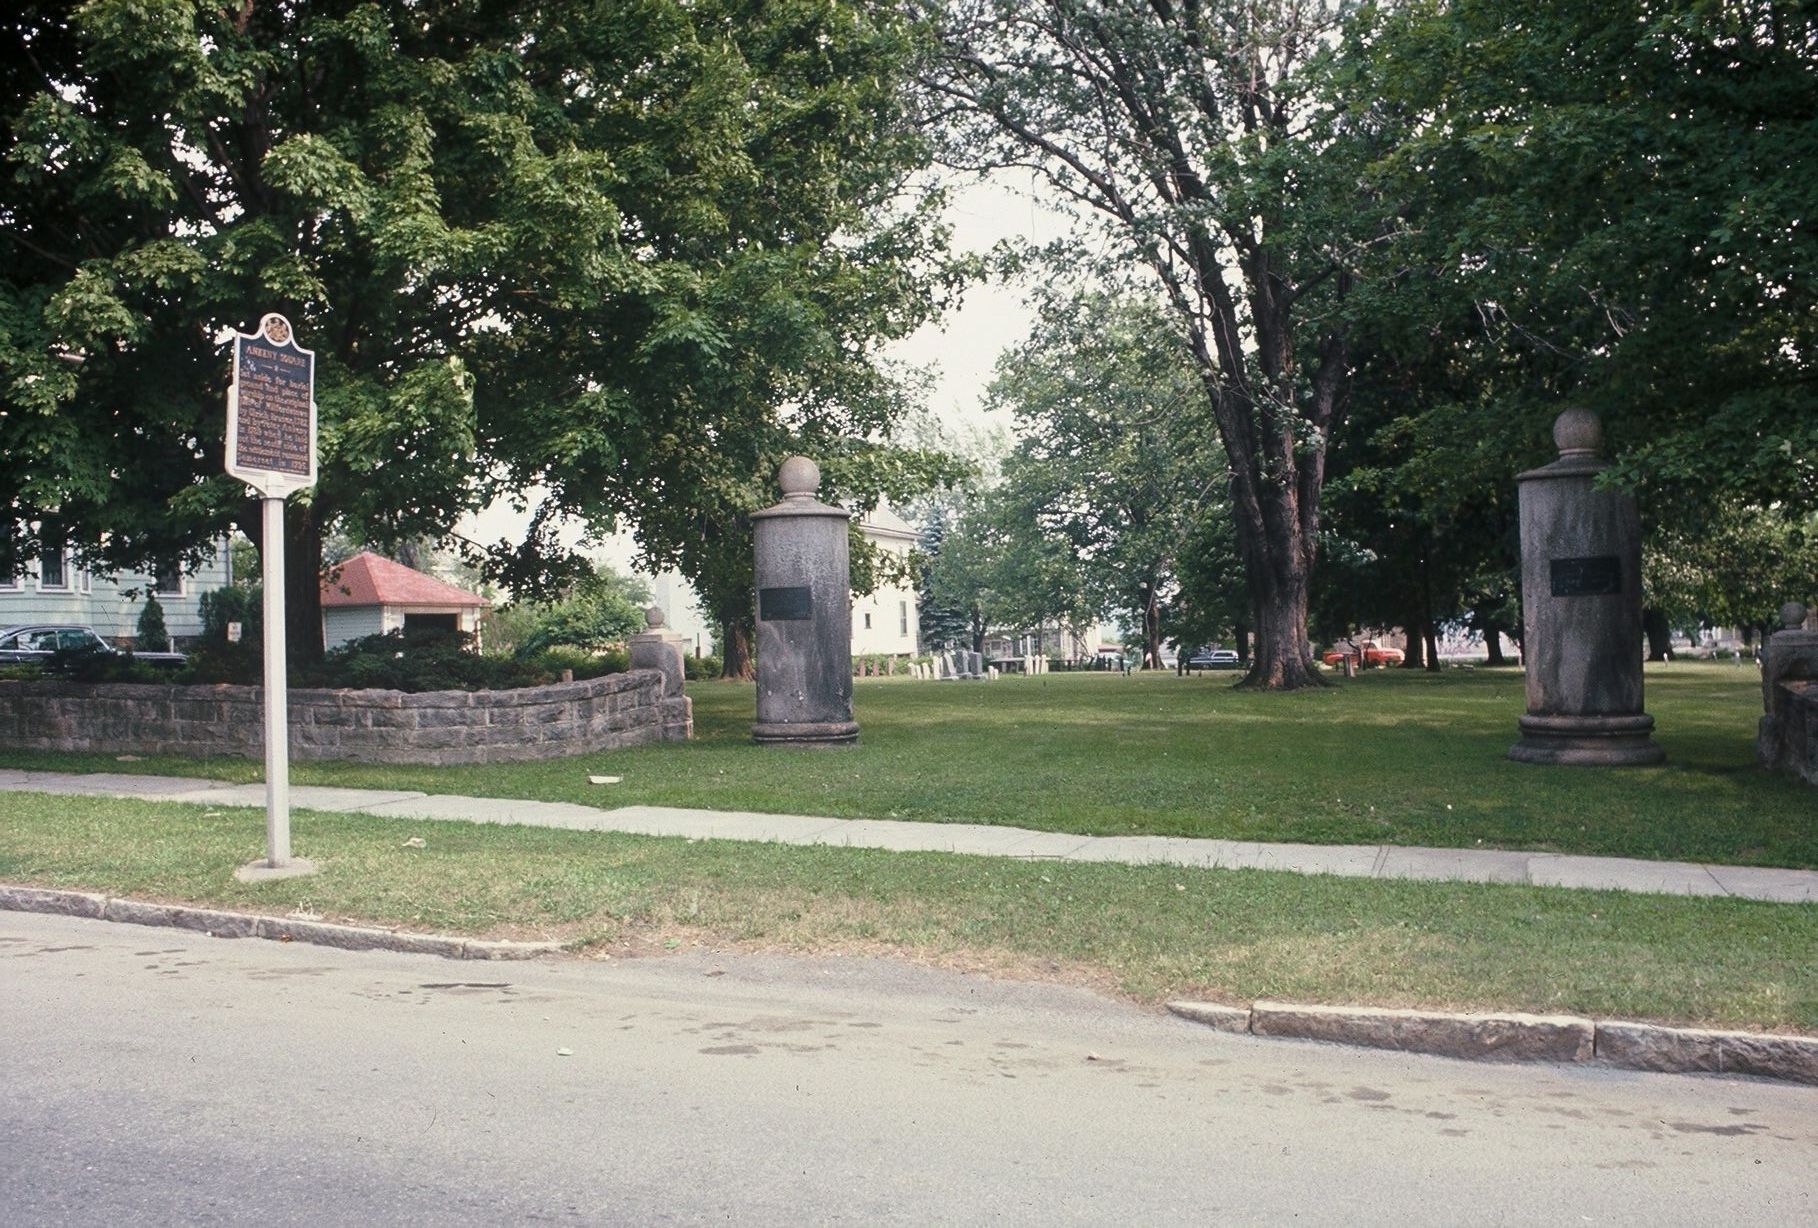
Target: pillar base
(1607, 741)
(806, 733)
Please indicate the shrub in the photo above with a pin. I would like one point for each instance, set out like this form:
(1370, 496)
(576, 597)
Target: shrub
(233, 605)
(218, 661)
(96, 664)
(584, 664)
(152, 635)
(698, 669)
(438, 661)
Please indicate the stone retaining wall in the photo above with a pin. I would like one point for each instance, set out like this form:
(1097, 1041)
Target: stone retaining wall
(433, 727)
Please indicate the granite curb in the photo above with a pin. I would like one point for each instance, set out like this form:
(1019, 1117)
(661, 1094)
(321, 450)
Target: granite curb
(1523, 1038)
(220, 924)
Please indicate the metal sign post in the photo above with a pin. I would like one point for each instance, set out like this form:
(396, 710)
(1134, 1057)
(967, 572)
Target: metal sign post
(271, 446)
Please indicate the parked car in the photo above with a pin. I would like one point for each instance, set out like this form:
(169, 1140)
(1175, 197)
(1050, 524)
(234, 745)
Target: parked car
(1370, 651)
(38, 642)
(1214, 658)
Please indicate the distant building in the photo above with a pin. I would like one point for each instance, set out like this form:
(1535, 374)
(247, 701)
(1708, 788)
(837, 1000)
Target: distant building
(371, 595)
(888, 619)
(53, 589)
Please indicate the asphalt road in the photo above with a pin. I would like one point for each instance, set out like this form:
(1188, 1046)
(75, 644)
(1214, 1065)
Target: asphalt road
(152, 1076)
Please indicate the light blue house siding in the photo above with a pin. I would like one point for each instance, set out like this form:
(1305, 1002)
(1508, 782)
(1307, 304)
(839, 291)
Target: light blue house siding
(64, 593)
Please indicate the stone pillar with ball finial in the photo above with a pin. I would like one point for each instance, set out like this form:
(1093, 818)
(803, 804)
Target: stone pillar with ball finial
(1787, 739)
(659, 648)
(1581, 610)
(803, 575)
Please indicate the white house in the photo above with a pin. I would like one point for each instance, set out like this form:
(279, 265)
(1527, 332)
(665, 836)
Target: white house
(370, 595)
(54, 589)
(887, 620)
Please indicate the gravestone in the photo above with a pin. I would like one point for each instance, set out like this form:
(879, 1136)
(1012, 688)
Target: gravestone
(975, 664)
(1581, 610)
(803, 575)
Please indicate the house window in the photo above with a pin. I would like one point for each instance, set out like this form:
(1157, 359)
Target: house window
(902, 612)
(167, 579)
(867, 622)
(53, 572)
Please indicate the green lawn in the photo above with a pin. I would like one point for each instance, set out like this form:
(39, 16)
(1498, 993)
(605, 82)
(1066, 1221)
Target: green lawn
(1150, 931)
(1393, 757)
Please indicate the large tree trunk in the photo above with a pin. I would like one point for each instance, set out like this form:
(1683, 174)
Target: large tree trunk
(302, 575)
(1241, 632)
(303, 585)
(1275, 488)
(735, 650)
(1660, 636)
(1492, 642)
(1151, 628)
(1431, 634)
(1416, 657)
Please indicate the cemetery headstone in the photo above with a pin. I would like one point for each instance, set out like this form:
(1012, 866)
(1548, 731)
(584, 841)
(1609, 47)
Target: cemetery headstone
(1581, 609)
(803, 575)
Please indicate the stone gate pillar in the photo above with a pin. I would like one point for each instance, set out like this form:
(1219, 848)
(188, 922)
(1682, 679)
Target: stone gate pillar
(803, 575)
(1581, 610)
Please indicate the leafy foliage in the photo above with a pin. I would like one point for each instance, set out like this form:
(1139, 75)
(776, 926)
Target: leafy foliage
(1190, 131)
(602, 247)
(397, 661)
(1118, 457)
(598, 612)
(1605, 204)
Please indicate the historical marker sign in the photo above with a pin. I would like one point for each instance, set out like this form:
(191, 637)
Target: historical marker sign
(271, 446)
(792, 604)
(1600, 576)
(271, 410)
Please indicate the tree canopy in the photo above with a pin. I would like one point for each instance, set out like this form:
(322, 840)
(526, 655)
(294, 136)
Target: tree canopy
(553, 244)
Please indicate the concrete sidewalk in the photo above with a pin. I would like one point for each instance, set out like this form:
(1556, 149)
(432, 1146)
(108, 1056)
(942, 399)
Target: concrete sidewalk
(1349, 860)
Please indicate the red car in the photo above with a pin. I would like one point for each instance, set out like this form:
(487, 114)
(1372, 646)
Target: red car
(1371, 652)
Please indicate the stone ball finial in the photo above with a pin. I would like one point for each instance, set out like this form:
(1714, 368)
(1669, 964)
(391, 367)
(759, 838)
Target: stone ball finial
(654, 617)
(799, 477)
(1578, 432)
(1792, 615)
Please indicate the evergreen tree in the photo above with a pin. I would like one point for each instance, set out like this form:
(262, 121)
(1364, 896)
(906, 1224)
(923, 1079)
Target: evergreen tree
(944, 624)
(152, 635)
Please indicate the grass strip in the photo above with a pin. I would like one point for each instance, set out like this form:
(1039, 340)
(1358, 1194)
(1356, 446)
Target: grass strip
(1391, 758)
(1148, 931)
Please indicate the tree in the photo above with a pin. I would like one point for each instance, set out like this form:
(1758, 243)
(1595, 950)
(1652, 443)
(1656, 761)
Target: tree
(1189, 130)
(529, 243)
(943, 623)
(1607, 204)
(1118, 458)
(1737, 570)
(152, 635)
(602, 609)
(1002, 571)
